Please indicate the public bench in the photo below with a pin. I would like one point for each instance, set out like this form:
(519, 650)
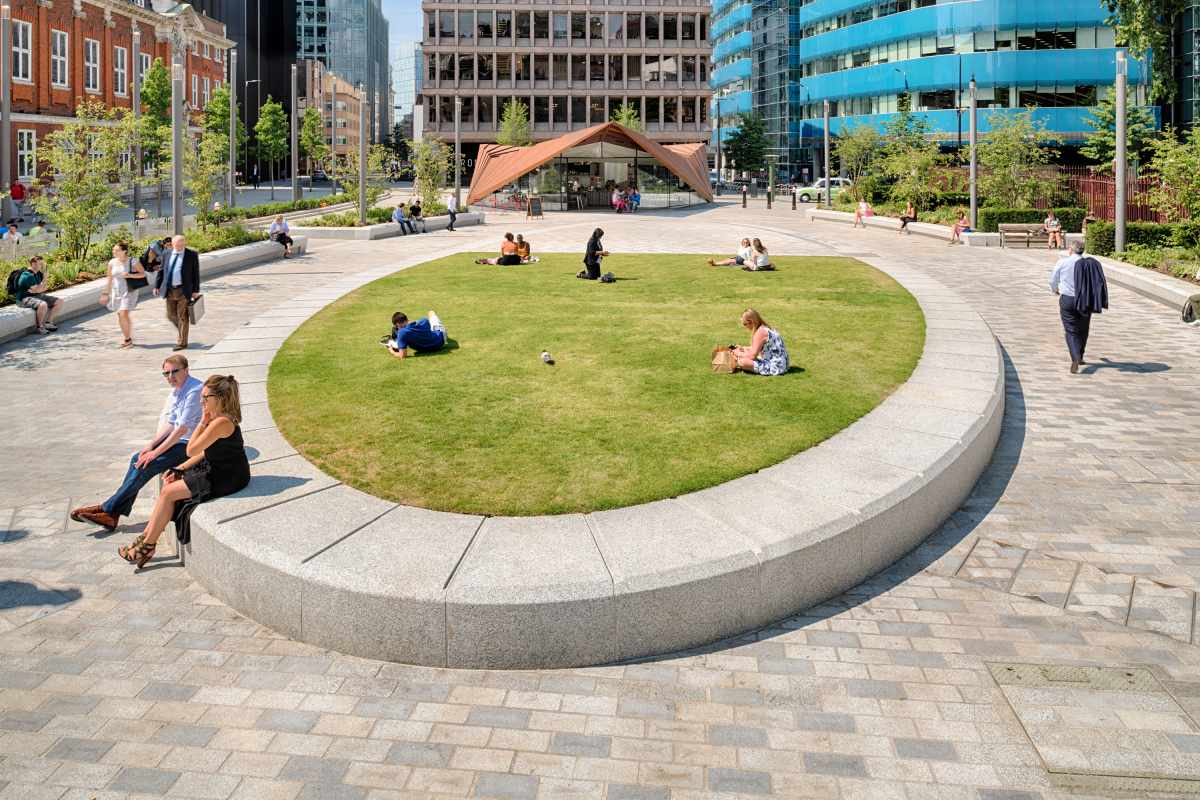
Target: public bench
(1028, 233)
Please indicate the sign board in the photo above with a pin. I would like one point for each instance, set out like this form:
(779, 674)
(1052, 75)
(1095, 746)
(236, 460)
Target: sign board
(535, 208)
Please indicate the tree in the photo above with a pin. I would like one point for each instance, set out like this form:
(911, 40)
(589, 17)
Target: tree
(746, 146)
(271, 134)
(155, 132)
(856, 150)
(205, 169)
(431, 163)
(312, 138)
(627, 114)
(910, 158)
(1011, 159)
(397, 142)
(1101, 146)
(514, 126)
(87, 158)
(345, 170)
(1148, 27)
(216, 116)
(1175, 164)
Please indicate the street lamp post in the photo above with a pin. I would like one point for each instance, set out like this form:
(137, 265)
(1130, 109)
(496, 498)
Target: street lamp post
(233, 117)
(828, 179)
(717, 160)
(457, 147)
(246, 105)
(178, 122)
(973, 137)
(1120, 89)
(6, 107)
(362, 156)
(135, 101)
(295, 156)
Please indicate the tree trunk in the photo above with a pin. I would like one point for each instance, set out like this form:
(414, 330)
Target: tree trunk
(272, 180)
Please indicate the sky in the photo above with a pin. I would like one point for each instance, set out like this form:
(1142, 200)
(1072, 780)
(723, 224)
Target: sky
(404, 19)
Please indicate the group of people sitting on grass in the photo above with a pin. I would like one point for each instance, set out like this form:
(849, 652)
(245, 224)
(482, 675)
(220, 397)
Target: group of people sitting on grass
(512, 251)
(752, 256)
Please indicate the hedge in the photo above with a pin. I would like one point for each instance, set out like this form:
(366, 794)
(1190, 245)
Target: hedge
(1101, 236)
(990, 219)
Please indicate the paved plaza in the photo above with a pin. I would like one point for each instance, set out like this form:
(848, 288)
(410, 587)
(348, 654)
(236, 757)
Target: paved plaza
(1042, 643)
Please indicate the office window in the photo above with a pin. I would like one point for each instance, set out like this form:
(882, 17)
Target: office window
(633, 27)
(523, 67)
(504, 25)
(558, 110)
(541, 110)
(483, 24)
(596, 68)
(616, 26)
(486, 71)
(649, 68)
(596, 27)
(432, 64)
(578, 111)
(466, 24)
(689, 110)
(22, 48)
(652, 27)
(689, 69)
(91, 65)
(562, 26)
(561, 68)
(541, 67)
(486, 117)
(670, 68)
(670, 27)
(633, 67)
(687, 27)
(616, 72)
(652, 115)
(466, 68)
(446, 110)
(60, 76)
(26, 154)
(446, 25)
(431, 29)
(504, 66)
(466, 112)
(541, 24)
(703, 27)
(523, 25)
(598, 112)
(446, 66)
(670, 110)
(579, 68)
(121, 71)
(578, 25)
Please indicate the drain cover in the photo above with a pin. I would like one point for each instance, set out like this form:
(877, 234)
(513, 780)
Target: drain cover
(1114, 729)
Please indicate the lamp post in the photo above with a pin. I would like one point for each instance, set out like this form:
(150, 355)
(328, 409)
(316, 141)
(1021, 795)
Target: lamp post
(6, 107)
(1120, 89)
(246, 105)
(135, 102)
(717, 160)
(973, 137)
(362, 156)
(295, 155)
(457, 147)
(233, 117)
(178, 122)
(828, 179)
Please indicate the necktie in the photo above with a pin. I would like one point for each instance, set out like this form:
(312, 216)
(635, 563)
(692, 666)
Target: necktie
(174, 270)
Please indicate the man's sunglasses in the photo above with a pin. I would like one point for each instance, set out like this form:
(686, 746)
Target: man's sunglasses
(168, 373)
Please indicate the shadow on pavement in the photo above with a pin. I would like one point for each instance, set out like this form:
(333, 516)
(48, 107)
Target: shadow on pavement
(14, 594)
(1124, 366)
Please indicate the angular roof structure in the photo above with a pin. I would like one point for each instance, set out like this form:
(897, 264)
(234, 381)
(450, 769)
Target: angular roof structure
(498, 165)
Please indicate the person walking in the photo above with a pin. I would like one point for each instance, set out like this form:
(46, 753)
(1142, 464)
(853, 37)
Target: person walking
(118, 295)
(452, 210)
(254, 176)
(1082, 291)
(178, 282)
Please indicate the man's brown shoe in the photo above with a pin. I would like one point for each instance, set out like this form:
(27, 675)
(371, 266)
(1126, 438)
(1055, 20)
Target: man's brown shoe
(104, 520)
(78, 513)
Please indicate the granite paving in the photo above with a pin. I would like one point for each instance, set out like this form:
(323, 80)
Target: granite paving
(1078, 547)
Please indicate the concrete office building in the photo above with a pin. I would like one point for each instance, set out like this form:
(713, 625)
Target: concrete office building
(572, 65)
(864, 55)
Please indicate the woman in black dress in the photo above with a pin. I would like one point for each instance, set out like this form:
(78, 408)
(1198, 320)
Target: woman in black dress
(216, 465)
(591, 257)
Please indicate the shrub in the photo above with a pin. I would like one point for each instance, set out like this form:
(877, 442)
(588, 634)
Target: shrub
(1101, 236)
(991, 218)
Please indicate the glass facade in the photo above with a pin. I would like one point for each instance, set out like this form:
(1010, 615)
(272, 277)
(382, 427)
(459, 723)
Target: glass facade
(731, 64)
(1187, 104)
(864, 55)
(351, 38)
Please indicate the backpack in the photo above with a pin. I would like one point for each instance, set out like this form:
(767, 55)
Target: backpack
(14, 278)
(608, 277)
(1190, 313)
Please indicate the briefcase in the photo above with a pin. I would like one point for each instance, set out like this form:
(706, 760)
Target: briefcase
(196, 310)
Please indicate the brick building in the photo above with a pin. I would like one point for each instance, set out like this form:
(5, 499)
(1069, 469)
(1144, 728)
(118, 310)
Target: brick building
(338, 100)
(64, 50)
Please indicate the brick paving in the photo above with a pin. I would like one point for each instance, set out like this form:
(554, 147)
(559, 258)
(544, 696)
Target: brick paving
(1078, 547)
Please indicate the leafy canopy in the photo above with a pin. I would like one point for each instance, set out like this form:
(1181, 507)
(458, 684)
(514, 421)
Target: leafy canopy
(432, 161)
(312, 141)
(1175, 163)
(1101, 145)
(910, 159)
(514, 125)
(627, 114)
(1148, 26)
(746, 146)
(1011, 157)
(857, 149)
(216, 116)
(271, 133)
(155, 130)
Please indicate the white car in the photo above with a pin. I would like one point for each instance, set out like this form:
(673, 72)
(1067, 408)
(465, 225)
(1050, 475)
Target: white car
(806, 194)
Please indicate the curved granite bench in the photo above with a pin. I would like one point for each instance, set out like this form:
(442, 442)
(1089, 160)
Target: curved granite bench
(326, 564)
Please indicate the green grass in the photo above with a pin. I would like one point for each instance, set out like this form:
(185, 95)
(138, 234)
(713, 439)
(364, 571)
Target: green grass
(629, 413)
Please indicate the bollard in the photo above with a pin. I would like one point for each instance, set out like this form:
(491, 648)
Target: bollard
(769, 193)
(743, 197)
(793, 201)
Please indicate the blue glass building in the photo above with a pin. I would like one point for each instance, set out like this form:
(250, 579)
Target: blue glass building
(863, 55)
(731, 67)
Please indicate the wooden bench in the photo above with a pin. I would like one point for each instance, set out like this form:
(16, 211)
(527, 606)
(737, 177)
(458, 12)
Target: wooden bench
(1029, 233)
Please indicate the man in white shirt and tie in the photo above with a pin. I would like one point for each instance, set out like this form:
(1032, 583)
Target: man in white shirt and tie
(179, 283)
(1075, 324)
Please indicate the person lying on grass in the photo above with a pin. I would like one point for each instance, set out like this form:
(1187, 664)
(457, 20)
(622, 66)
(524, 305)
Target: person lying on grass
(425, 335)
(745, 255)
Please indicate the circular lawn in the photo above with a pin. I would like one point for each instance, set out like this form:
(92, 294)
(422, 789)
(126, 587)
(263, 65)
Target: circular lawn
(629, 411)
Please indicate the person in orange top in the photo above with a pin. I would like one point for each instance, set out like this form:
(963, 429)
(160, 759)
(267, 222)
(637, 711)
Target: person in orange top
(508, 253)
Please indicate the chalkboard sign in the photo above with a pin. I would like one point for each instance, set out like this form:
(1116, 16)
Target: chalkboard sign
(535, 208)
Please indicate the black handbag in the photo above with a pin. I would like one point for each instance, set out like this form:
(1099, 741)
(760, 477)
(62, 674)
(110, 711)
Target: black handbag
(136, 283)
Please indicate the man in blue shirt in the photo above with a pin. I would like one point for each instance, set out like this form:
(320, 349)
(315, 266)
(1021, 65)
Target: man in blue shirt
(426, 335)
(168, 448)
(406, 226)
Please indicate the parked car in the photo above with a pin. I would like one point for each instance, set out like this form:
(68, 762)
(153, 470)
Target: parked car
(319, 175)
(806, 194)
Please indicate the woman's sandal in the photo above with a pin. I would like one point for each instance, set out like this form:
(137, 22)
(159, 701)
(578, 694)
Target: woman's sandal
(127, 343)
(138, 552)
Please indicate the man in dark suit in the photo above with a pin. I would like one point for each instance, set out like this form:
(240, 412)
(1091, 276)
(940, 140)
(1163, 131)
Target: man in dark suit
(179, 283)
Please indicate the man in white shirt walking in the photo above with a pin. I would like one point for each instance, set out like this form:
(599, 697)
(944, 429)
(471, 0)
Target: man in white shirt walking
(452, 208)
(1075, 324)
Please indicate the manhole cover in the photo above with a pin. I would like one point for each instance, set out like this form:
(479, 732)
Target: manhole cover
(1114, 729)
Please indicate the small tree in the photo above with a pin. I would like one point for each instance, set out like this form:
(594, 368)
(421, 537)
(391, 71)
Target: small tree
(514, 126)
(1011, 157)
(856, 150)
(271, 134)
(746, 146)
(431, 162)
(205, 170)
(627, 114)
(216, 116)
(1101, 146)
(397, 142)
(1175, 164)
(87, 159)
(312, 138)
(910, 158)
